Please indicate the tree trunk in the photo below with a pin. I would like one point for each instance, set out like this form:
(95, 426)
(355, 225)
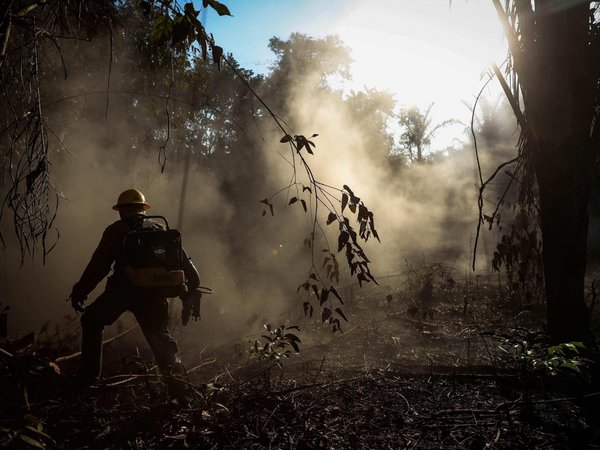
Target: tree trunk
(564, 223)
(558, 92)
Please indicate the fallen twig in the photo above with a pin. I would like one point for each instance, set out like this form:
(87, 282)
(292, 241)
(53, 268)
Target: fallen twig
(106, 342)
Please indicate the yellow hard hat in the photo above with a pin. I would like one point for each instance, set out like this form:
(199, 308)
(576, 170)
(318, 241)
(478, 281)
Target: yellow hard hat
(131, 197)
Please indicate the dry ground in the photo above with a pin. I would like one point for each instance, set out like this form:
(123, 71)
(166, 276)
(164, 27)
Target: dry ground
(408, 372)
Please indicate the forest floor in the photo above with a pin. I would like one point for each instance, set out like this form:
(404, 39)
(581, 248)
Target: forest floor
(464, 368)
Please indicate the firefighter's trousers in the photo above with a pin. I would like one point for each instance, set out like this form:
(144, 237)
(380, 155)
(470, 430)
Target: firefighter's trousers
(151, 313)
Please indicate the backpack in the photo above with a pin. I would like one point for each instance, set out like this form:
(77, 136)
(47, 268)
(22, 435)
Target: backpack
(152, 258)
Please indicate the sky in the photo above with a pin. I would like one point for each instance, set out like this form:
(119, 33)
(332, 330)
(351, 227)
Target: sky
(423, 51)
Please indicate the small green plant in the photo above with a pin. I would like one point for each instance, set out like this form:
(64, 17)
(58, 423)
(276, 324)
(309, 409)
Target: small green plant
(30, 435)
(279, 343)
(566, 358)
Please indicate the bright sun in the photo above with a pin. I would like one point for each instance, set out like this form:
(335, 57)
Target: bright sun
(424, 51)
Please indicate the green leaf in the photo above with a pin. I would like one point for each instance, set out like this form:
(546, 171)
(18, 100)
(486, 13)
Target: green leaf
(571, 346)
(219, 7)
(31, 441)
(161, 30)
(570, 365)
(38, 430)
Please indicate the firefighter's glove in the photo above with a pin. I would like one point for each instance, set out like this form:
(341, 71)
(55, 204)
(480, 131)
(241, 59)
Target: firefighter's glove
(77, 303)
(191, 306)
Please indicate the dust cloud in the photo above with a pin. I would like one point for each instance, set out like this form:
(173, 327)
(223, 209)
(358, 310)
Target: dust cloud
(253, 263)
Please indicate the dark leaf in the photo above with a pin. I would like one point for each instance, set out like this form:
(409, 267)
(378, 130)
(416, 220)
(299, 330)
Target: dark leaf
(326, 314)
(331, 218)
(303, 205)
(363, 213)
(312, 276)
(314, 135)
(306, 188)
(181, 29)
(344, 201)
(342, 240)
(217, 54)
(352, 207)
(315, 290)
(324, 296)
(291, 337)
(293, 200)
(271, 208)
(265, 201)
(375, 234)
(219, 7)
(190, 10)
(340, 312)
(145, 7)
(335, 292)
(264, 213)
(286, 138)
(361, 277)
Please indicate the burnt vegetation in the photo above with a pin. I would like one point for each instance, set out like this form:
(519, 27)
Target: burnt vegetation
(403, 353)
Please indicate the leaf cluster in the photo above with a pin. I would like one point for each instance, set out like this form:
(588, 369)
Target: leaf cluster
(30, 435)
(277, 344)
(316, 291)
(182, 28)
(567, 358)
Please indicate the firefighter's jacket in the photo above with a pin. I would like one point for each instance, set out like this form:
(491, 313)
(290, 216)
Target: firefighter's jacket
(105, 255)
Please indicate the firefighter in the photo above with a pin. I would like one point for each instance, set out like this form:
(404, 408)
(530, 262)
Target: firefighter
(149, 307)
